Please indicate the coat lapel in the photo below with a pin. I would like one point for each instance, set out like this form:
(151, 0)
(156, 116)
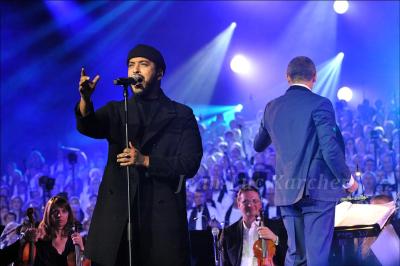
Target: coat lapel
(133, 121)
(160, 117)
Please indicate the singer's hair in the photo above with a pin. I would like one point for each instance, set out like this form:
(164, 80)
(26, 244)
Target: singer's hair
(49, 223)
(301, 68)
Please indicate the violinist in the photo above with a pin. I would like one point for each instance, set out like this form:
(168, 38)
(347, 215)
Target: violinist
(237, 240)
(55, 242)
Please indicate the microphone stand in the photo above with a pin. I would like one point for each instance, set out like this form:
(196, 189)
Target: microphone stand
(129, 224)
(126, 82)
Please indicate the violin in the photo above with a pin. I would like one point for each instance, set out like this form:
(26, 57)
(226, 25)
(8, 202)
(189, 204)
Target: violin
(28, 253)
(264, 249)
(77, 258)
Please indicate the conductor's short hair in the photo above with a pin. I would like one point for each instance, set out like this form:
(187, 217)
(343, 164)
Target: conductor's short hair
(301, 68)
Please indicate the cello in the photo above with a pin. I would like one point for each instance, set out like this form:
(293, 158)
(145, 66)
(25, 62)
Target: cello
(264, 249)
(28, 252)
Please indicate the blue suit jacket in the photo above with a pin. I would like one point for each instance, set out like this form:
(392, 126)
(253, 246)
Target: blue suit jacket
(309, 147)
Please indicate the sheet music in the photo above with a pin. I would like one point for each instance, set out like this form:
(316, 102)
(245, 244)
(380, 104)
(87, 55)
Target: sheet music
(387, 247)
(348, 214)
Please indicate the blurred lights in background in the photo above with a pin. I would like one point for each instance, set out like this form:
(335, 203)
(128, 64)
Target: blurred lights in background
(240, 64)
(341, 6)
(345, 93)
(328, 74)
(239, 108)
(208, 113)
(194, 81)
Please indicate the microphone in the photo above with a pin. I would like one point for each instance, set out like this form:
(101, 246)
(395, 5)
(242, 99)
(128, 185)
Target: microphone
(215, 231)
(135, 79)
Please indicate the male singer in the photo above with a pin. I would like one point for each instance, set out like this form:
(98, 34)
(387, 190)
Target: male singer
(311, 173)
(164, 149)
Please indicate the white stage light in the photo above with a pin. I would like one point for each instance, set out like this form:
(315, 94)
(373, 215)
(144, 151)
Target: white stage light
(345, 93)
(240, 64)
(238, 108)
(341, 6)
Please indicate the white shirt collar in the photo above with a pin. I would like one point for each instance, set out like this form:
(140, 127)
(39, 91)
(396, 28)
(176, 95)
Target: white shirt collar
(300, 84)
(252, 225)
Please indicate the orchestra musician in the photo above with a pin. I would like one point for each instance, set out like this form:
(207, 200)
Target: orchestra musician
(237, 240)
(52, 243)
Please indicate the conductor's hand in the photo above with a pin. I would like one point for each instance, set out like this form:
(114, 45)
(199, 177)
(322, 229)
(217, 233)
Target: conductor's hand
(132, 156)
(354, 187)
(87, 86)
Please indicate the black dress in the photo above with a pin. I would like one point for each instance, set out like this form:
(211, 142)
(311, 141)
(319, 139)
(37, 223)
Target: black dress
(47, 255)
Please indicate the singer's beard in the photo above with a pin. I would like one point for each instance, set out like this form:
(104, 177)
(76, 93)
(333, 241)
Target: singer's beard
(140, 90)
(145, 89)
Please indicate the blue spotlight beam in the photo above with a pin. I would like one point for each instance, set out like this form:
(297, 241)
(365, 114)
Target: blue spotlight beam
(208, 113)
(313, 29)
(328, 77)
(36, 67)
(209, 110)
(194, 82)
(40, 33)
(155, 7)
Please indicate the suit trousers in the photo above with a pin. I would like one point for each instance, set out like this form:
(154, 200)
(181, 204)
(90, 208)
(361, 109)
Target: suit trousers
(309, 224)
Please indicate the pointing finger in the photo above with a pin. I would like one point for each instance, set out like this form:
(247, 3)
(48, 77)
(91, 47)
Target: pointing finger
(83, 72)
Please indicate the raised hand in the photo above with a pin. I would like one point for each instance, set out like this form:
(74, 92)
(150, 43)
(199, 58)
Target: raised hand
(354, 187)
(87, 86)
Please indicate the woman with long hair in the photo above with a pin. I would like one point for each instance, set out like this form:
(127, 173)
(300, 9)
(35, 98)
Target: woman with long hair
(55, 239)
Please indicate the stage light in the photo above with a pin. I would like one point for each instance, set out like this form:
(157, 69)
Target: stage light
(238, 108)
(194, 82)
(208, 113)
(358, 172)
(233, 24)
(345, 93)
(341, 6)
(240, 64)
(328, 77)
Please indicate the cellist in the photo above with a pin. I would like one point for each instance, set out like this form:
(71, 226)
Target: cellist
(52, 240)
(55, 241)
(237, 240)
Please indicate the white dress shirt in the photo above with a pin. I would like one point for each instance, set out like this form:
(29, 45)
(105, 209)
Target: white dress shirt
(250, 235)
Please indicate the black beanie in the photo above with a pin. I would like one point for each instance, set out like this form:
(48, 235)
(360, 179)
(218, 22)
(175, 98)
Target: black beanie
(146, 51)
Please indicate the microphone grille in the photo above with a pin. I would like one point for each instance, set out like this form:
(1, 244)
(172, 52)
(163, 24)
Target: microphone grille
(215, 231)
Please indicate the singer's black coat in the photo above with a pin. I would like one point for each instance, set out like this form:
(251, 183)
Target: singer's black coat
(232, 242)
(173, 143)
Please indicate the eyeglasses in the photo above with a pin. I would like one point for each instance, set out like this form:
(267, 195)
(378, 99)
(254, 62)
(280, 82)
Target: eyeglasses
(251, 202)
